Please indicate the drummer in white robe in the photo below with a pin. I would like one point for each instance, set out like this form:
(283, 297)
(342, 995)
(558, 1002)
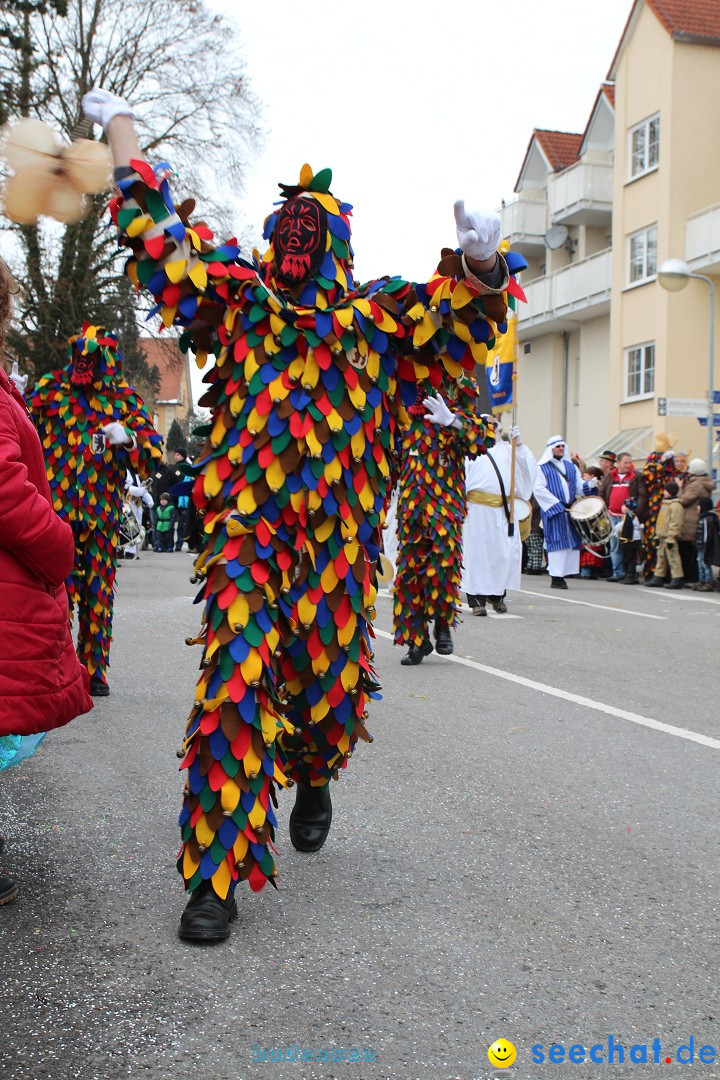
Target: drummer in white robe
(492, 559)
(137, 497)
(557, 486)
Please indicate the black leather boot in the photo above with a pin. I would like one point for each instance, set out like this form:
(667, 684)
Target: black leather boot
(311, 817)
(98, 688)
(558, 583)
(8, 890)
(207, 918)
(443, 638)
(416, 653)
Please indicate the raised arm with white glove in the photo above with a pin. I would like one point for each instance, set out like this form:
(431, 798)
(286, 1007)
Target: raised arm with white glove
(439, 413)
(19, 380)
(116, 116)
(102, 106)
(516, 435)
(478, 232)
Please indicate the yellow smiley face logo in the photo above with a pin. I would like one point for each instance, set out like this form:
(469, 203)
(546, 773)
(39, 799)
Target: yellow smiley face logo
(502, 1054)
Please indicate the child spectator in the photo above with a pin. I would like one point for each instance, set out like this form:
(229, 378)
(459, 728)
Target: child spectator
(591, 558)
(629, 533)
(667, 529)
(165, 528)
(707, 544)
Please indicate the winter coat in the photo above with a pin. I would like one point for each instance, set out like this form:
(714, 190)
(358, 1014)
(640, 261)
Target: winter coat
(670, 520)
(637, 489)
(43, 685)
(691, 492)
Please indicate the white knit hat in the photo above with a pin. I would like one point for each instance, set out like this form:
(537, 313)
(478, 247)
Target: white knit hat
(697, 467)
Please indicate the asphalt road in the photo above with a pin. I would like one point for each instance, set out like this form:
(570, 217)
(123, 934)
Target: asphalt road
(529, 850)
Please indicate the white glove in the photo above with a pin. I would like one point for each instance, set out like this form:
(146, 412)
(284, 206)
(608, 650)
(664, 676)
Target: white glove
(20, 381)
(516, 435)
(667, 455)
(478, 231)
(592, 483)
(116, 434)
(101, 106)
(438, 412)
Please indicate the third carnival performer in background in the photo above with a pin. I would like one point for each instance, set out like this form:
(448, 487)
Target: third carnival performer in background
(431, 509)
(93, 427)
(492, 558)
(308, 378)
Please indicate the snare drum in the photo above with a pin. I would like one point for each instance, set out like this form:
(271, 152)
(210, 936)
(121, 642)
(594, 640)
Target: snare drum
(523, 517)
(591, 519)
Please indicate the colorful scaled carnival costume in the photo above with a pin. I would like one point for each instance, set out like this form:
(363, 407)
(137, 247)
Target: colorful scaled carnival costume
(658, 469)
(93, 427)
(307, 388)
(431, 509)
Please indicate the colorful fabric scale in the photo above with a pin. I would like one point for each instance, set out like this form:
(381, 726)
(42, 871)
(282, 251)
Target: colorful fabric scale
(87, 475)
(307, 389)
(431, 510)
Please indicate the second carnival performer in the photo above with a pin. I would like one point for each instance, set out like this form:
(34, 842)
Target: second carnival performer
(93, 427)
(431, 509)
(308, 379)
(492, 556)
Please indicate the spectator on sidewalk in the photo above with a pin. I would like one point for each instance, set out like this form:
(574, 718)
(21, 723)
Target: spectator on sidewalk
(667, 529)
(629, 534)
(696, 485)
(165, 528)
(707, 545)
(620, 483)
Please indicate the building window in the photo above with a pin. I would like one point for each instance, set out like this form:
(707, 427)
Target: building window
(643, 255)
(644, 146)
(640, 368)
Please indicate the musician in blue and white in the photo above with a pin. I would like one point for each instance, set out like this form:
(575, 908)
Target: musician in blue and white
(557, 486)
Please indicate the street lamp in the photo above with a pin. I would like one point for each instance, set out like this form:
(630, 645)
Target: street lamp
(673, 275)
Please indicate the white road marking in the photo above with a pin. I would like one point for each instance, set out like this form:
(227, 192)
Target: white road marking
(586, 603)
(576, 699)
(682, 594)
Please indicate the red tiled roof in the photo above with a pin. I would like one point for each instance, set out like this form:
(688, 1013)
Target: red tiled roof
(693, 21)
(559, 147)
(692, 18)
(170, 362)
(608, 89)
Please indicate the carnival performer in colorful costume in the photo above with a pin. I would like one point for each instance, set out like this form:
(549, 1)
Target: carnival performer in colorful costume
(93, 427)
(307, 388)
(431, 509)
(659, 468)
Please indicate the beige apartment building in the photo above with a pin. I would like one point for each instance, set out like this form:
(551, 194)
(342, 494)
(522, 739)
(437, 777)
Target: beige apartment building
(596, 212)
(174, 398)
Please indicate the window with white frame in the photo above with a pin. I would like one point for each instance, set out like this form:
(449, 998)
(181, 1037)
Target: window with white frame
(640, 370)
(642, 255)
(644, 146)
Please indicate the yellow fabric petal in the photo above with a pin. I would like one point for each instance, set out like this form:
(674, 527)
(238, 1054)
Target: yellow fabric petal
(175, 270)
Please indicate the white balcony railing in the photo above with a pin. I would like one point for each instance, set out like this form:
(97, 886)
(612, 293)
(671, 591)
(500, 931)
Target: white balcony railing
(702, 240)
(524, 222)
(581, 194)
(576, 292)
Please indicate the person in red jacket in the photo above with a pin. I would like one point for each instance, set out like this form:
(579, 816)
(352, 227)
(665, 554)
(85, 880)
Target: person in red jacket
(43, 685)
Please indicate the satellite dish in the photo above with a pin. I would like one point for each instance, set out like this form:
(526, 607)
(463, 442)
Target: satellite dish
(555, 237)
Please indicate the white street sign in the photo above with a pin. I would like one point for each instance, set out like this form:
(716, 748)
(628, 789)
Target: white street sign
(681, 406)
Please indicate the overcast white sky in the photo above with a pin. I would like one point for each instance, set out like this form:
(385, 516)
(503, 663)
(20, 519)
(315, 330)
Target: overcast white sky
(414, 104)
